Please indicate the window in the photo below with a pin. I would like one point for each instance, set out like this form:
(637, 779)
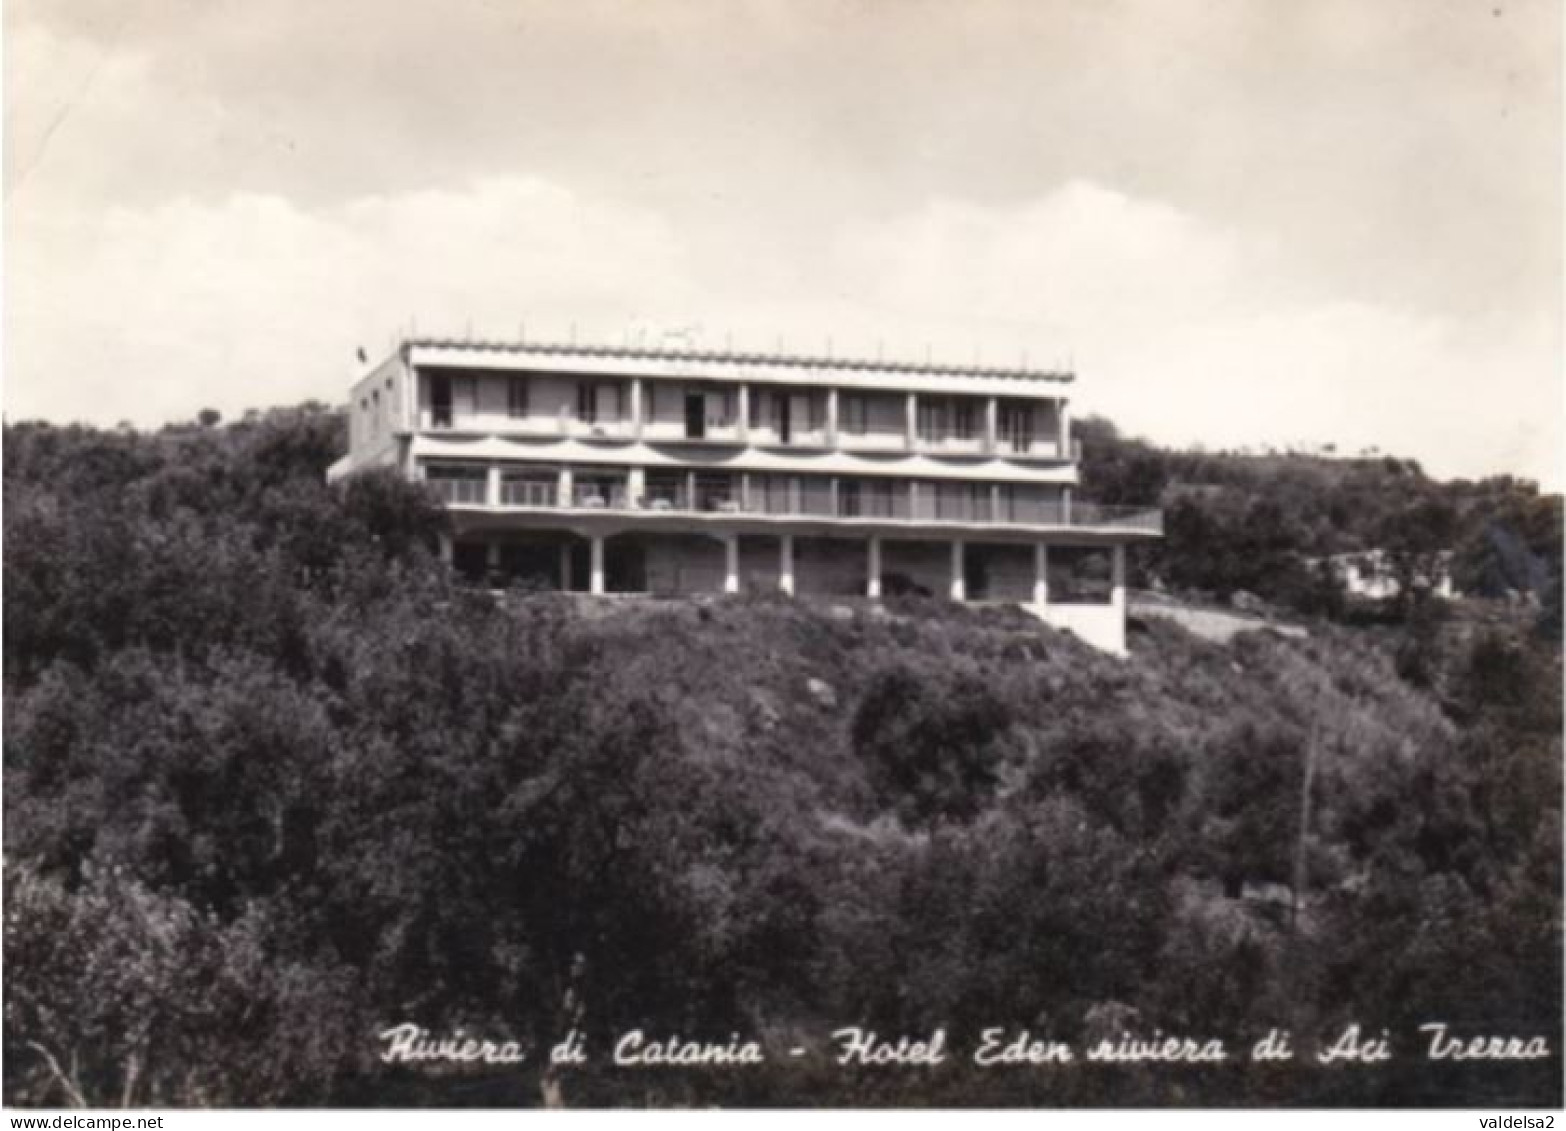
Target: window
(932, 420)
(665, 490)
(716, 492)
(516, 397)
(878, 499)
(719, 407)
(854, 414)
(962, 420)
(771, 494)
(457, 483)
(1016, 426)
(535, 487)
(815, 494)
(587, 403)
(962, 502)
(601, 489)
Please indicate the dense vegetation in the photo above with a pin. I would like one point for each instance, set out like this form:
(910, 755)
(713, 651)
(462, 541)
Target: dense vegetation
(1264, 525)
(273, 783)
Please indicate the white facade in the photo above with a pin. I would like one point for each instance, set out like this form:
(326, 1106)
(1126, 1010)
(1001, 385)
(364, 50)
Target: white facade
(681, 471)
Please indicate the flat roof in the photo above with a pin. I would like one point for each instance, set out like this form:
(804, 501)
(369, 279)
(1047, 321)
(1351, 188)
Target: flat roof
(740, 357)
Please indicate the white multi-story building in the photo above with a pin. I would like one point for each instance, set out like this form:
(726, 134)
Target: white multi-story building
(624, 470)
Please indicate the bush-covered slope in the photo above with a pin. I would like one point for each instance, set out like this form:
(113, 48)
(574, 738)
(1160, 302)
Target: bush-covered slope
(1263, 524)
(274, 783)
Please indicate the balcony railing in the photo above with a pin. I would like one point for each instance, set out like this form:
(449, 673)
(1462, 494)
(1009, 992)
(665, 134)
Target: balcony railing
(951, 445)
(670, 429)
(1148, 519)
(599, 429)
(810, 501)
(529, 493)
(459, 491)
(612, 498)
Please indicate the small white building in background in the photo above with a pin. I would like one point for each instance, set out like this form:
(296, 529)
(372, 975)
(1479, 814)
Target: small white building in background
(1369, 574)
(626, 470)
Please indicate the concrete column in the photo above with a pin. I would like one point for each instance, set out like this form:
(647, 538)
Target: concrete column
(492, 486)
(1117, 576)
(911, 422)
(443, 547)
(831, 417)
(492, 554)
(596, 573)
(565, 566)
(565, 487)
(636, 486)
(873, 583)
(731, 581)
(638, 414)
(743, 405)
(991, 424)
(1041, 573)
(786, 564)
(959, 580)
(1065, 506)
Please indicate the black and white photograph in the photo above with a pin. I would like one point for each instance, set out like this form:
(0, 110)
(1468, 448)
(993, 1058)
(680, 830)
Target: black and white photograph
(777, 554)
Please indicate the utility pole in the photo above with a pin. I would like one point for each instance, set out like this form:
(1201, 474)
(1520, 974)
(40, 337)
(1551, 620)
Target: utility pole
(1298, 885)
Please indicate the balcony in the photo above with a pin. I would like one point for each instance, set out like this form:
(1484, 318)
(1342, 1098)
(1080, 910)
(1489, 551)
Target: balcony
(857, 501)
(766, 436)
(728, 432)
(529, 493)
(459, 490)
(1040, 446)
(622, 429)
(951, 445)
(872, 440)
(684, 432)
(1146, 520)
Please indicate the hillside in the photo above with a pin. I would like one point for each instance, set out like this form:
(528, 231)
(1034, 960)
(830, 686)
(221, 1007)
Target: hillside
(1262, 524)
(274, 783)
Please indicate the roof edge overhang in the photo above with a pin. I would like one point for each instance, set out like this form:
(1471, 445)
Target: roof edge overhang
(731, 365)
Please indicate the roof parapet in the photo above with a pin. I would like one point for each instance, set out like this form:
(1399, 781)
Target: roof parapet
(738, 357)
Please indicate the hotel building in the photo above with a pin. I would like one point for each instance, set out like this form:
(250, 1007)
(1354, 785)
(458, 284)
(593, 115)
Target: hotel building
(679, 471)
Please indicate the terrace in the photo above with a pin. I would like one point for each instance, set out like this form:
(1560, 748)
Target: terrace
(629, 491)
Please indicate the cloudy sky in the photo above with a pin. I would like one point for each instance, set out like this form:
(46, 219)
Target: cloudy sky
(1240, 221)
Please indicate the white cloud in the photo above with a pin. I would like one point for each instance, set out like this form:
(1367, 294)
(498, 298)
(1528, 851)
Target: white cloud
(1188, 333)
(148, 315)
(1181, 330)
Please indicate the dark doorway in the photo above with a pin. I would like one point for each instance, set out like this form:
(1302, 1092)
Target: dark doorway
(785, 418)
(975, 574)
(625, 565)
(848, 501)
(470, 560)
(440, 400)
(531, 565)
(695, 415)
